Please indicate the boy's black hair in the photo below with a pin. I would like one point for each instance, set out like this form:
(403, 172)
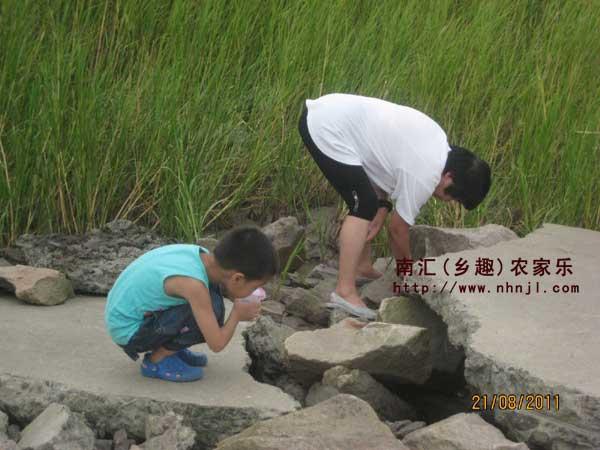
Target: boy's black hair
(247, 250)
(471, 177)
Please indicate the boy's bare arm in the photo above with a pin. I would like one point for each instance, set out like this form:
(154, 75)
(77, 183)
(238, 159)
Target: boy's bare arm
(199, 299)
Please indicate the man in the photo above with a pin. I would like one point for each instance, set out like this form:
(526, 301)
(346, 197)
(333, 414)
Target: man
(371, 149)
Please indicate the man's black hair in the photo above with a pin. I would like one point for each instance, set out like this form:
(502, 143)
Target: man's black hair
(471, 177)
(249, 251)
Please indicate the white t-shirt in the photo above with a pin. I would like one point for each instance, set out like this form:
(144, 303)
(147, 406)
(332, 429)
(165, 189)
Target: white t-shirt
(402, 150)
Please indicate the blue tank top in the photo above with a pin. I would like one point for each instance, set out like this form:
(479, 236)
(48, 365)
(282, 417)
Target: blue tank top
(140, 287)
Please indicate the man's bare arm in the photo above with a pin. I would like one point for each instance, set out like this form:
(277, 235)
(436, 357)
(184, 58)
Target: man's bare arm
(399, 237)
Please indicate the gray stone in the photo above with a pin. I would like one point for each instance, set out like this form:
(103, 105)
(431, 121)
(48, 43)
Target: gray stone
(323, 289)
(362, 385)
(305, 305)
(401, 432)
(383, 287)
(285, 233)
(460, 432)
(426, 241)
(413, 311)
(321, 233)
(336, 315)
(3, 423)
(8, 444)
(103, 444)
(323, 271)
(544, 343)
(272, 309)
(291, 387)
(4, 263)
(295, 279)
(264, 342)
(157, 425)
(120, 440)
(35, 285)
(95, 378)
(14, 432)
(92, 261)
(57, 428)
(320, 392)
(178, 437)
(342, 422)
(397, 352)
(297, 323)
(397, 425)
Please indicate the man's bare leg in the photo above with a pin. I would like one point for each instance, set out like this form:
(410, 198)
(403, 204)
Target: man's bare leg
(365, 264)
(353, 237)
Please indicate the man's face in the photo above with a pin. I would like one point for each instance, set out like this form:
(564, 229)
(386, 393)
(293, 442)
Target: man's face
(440, 190)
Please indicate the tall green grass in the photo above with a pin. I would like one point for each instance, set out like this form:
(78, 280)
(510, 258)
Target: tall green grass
(182, 114)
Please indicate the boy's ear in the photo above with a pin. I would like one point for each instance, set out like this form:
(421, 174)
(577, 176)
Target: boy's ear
(238, 277)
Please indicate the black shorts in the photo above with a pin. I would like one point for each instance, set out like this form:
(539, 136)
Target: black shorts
(174, 328)
(351, 182)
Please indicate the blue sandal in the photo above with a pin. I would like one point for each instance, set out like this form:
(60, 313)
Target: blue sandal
(170, 368)
(195, 359)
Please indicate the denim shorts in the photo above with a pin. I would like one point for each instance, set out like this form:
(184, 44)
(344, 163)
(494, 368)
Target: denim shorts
(174, 328)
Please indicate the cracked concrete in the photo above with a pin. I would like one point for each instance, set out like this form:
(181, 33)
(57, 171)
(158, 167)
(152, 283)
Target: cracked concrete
(63, 354)
(542, 343)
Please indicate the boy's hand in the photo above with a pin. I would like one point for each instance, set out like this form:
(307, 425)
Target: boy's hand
(246, 311)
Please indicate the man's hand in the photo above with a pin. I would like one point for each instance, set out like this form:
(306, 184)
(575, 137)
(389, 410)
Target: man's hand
(376, 223)
(246, 311)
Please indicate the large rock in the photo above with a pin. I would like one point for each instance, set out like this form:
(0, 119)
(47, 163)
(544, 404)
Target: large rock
(264, 342)
(35, 285)
(402, 427)
(57, 428)
(285, 233)
(85, 371)
(320, 392)
(92, 261)
(342, 422)
(543, 343)
(382, 288)
(413, 311)
(426, 241)
(304, 304)
(168, 433)
(460, 432)
(8, 444)
(3, 424)
(321, 233)
(397, 352)
(362, 385)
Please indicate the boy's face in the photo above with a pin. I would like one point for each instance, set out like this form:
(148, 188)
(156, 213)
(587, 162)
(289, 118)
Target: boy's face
(238, 286)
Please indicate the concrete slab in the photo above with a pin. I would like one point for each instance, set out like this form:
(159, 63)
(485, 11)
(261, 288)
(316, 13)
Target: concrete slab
(63, 353)
(544, 343)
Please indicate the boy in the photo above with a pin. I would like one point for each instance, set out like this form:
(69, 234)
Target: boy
(170, 298)
(369, 149)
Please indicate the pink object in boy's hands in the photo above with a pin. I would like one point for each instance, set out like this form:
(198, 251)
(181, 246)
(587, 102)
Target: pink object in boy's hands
(257, 296)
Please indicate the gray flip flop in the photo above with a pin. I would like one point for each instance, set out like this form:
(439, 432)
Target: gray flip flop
(358, 311)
